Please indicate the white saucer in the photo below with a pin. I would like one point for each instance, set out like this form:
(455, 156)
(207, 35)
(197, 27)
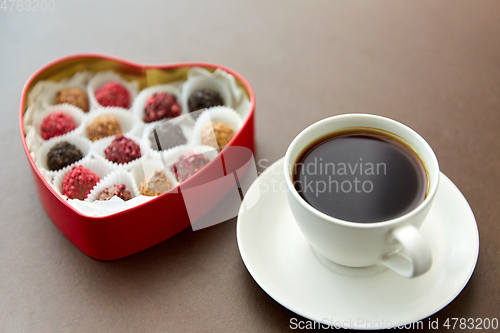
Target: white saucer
(283, 263)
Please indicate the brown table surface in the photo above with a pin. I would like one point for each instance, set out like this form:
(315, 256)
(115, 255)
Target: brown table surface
(433, 65)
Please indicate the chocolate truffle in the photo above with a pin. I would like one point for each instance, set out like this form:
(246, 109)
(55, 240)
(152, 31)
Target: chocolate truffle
(102, 127)
(113, 94)
(160, 106)
(78, 182)
(122, 150)
(74, 96)
(62, 154)
(155, 184)
(216, 134)
(119, 190)
(169, 135)
(203, 99)
(189, 164)
(56, 124)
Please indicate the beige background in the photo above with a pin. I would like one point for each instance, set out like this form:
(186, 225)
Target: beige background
(433, 65)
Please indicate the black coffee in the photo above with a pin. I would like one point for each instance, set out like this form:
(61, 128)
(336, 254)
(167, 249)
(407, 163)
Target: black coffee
(360, 175)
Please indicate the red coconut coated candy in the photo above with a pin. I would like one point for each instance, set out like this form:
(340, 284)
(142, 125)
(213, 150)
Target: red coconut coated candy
(189, 164)
(122, 150)
(56, 124)
(78, 182)
(160, 106)
(113, 94)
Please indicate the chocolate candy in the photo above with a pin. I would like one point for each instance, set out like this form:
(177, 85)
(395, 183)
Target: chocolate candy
(159, 106)
(102, 127)
(189, 164)
(155, 184)
(56, 124)
(78, 182)
(74, 96)
(62, 154)
(203, 99)
(216, 134)
(122, 150)
(113, 94)
(119, 190)
(169, 136)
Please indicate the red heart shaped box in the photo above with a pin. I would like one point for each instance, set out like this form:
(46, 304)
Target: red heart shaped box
(119, 235)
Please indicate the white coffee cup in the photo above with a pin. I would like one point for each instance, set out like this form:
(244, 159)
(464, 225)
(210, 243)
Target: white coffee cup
(365, 244)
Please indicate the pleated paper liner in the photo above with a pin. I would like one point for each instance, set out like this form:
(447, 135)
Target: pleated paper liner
(44, 93)
(99, 146)
(171, 156)
(75, 113)
(236, 92)
(147, 167)
(212, 82)
(124, 117)
(114, 178)
(186, 124)
(140, 100)
(83, 144)
(96, 165)
(101, 78)
(217, 113)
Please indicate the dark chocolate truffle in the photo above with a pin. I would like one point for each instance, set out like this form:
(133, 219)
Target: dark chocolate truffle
(119, 190)
(169, 136)
(56, 124)
(113, 94)
(78, 182)
(62, 154)
(203, 99)
(122, 150)
(189, 164)
(102, 127)
(159, 106)
(155, 184)
(74, 96)
(216, 134)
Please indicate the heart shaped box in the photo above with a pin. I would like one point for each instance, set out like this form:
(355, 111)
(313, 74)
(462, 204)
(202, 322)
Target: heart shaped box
(122, 234)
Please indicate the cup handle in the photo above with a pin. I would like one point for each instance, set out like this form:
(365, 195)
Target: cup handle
(417, 248)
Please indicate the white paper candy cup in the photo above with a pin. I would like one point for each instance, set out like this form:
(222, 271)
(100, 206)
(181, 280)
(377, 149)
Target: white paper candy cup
(171, 156)
(114, 178)
(147, 167)
(185, 122)
(140, 101)
(104, 77)
(99, 146)
(49, 89)
(96, 165)
(123, 116)
(217, 113)
(211, 82)
(75, 113)
(241, 102)
(80, 142)
(49, 96)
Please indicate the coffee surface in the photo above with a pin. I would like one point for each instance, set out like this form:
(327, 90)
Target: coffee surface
(360, 176)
